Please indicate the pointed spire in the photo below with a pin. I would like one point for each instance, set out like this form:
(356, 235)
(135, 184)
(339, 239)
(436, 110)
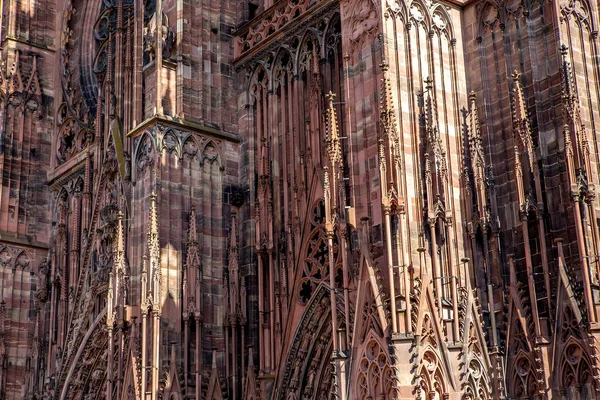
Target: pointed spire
(120, 245)
(144, 286)
(193, 232)
(477, 157)
(128, 49)
(16, 82)
(332, 140)
(110, 315)
(387, 114)
(172, 357)
(110, 68)
(153, 234)
(250, 358)
(573, 112)
(192, 257)
(191, 274)
(33, 86)
(568, 87)
(214, 387)
(154, 253)
(250, 375)
(233, 243)
(520, 109)
(119, 264)
(475, 140)
(430, 114)
(234, 273)
(315, 60)
(521, 119)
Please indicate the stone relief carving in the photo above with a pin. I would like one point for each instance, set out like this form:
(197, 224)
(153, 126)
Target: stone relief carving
(490, 15)
(574, 7)
(14, 258)
(274, 20)
(363, 19)
(43, 271)
(73, 114)
(167, 37)
(306, 371)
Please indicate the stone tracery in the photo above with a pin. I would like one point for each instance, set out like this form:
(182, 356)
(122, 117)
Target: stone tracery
(301, 122)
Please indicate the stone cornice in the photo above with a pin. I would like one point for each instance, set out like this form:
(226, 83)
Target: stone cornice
(183, 124)
(68, 170)
(27, 241)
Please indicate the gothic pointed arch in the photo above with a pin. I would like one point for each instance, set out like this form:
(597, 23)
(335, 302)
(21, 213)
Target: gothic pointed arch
(441, 20)
(521, 364)
(435, 367)
(433, 382)
(214, 391)
(144, 153)
(310, 41)
(332, 33)
(368, 293)
(490, 16)
(372, 361)
(376, 376)
(172, 388)
(190, 145)
(419, 14)
(523, 378)
(314, 267)
(362, 17)
(170, 142)
(370, 316)
(84, 370)
(251, 384)
(283, 61)
(260, 74)
(477, 383)
(575, 360)
(575, 367)
(304, 372)
(131, 383)
(211, 152)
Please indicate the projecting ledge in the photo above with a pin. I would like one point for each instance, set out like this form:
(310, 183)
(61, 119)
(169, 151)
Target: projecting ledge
(184, 124)
(400, 337)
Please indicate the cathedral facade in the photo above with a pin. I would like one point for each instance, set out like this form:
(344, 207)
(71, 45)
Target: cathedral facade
(299, 199)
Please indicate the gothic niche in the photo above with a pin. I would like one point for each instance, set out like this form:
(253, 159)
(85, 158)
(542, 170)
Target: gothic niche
(167, 36)
(316, 267)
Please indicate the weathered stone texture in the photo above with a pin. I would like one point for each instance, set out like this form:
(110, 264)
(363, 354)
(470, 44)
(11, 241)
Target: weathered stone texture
(299, 199)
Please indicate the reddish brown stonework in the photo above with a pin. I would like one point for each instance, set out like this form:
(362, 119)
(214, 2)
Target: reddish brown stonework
(299, 199)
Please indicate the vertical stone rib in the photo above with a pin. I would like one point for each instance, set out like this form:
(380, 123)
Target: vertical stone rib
(159, 57)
